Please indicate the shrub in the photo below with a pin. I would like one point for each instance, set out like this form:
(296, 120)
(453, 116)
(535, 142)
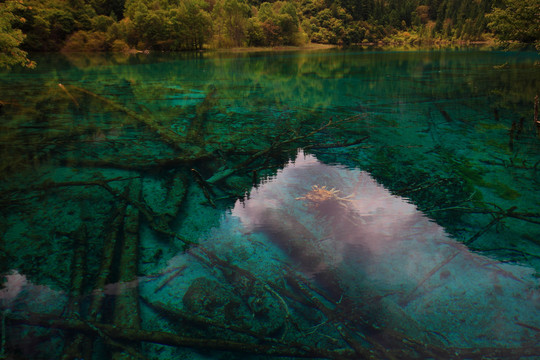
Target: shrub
(82, 41)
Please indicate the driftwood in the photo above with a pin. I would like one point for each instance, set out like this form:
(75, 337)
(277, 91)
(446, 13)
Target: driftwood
(98, 295)
(420, 187)
(175, 273)
(533, 218)
(137, 163)
(360, 351)
(409, 297)
(196, 130)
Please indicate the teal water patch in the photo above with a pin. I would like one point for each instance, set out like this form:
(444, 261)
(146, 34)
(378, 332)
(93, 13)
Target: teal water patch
(165, 195)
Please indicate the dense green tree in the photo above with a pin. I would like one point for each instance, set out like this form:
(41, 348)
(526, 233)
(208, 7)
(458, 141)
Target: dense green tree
(48, 24)
(198, 22)
(517, 20)
(280, 23)
(230, 22)
(100, 25)
(109, 7)
(10, 38)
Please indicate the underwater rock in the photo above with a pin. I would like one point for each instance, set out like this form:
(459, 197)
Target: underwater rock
(207, 297)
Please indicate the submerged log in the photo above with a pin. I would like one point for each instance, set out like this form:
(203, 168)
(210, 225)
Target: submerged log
(165, 338)
(126, 306)
(205, 187)
(69, 94)
(72, 349)
(536, 121)
(106, 263)
(98, 295)
(167, 135)
(197, 127)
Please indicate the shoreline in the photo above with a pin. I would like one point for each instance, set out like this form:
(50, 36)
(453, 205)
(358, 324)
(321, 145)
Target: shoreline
(379, 44)
(309, 47)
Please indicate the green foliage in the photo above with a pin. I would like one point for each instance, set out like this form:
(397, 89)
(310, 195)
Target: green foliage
(48, 24)
(198, 23)
(519, 20)
(96, 25)
(255, 32)
(10, 38)
(85, 41)
(102, 23)
(280, 23)
(230, 20)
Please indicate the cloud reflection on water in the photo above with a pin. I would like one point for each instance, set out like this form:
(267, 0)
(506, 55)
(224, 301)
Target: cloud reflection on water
(379, 244)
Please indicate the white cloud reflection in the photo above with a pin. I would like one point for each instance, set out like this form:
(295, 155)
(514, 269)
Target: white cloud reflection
(379, 244)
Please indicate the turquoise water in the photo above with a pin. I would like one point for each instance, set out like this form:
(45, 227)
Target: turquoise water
(327, 204)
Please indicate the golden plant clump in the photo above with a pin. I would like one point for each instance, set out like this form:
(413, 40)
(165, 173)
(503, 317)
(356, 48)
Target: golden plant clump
(320, 195)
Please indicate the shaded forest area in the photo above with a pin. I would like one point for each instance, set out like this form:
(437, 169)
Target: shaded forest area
(173, 25)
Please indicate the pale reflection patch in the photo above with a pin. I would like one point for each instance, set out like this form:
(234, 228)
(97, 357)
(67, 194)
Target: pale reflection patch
(371, 244)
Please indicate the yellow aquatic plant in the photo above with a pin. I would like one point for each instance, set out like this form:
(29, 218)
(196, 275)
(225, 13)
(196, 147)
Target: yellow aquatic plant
(321, 195)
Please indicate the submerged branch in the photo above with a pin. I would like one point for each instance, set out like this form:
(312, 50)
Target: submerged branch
(336, 145)
(155, 222)
(224, 173)
(176, 314)
(525, 216)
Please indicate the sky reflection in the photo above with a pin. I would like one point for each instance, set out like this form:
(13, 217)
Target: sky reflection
(374, 244)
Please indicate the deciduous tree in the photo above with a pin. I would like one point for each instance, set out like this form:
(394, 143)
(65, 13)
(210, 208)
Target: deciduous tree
(10, 38)
(518, 20)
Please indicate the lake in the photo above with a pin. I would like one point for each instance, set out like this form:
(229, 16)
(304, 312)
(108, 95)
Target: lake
(333, 204)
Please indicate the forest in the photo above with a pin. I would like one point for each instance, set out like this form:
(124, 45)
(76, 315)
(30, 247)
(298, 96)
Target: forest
(175, 25)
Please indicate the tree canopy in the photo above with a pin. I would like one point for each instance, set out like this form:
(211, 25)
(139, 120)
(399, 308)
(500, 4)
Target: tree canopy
(170, 25)
(10, 37)
(517, 20)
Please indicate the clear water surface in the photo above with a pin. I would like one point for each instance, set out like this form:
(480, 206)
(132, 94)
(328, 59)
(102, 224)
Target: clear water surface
(339, 204)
